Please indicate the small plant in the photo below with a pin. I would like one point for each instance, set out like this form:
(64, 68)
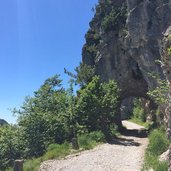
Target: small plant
(92, 37)
(116, 16)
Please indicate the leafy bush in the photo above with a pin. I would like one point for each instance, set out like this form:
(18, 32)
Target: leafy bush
(11, 146)
(138, 111)
(54, 115)
(97, 136)
(86, 142)
(159, 94)
(96, 106)
(43, 117)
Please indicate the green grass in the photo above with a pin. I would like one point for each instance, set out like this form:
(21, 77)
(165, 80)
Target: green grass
(54, 151)
(57, 151)
(158, 143)
(90, 140)
(154, 163)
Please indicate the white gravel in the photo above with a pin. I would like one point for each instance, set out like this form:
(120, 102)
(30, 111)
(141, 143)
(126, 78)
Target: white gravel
(126, 155)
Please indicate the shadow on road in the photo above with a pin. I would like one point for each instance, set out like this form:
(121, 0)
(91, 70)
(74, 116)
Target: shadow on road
(124, 142)
(128, 139)
(140, 133)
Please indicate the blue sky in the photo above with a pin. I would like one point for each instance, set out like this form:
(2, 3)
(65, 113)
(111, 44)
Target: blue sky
(38, 38)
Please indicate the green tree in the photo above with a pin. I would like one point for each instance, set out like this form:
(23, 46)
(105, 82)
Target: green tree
(84, 74)
(159, 94)
(96, 106)
(11, 145)
(43, 117)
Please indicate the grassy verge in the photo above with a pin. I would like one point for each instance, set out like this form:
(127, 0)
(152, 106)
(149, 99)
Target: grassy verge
(57, 151)
(158, 143)
(54, 151)
(89, 141)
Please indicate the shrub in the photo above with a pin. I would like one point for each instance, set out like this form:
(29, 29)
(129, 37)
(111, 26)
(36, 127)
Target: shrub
(86, 142)
(96, 105)
(97, 136)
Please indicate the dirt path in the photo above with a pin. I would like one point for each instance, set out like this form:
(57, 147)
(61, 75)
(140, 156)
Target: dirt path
(126, 154)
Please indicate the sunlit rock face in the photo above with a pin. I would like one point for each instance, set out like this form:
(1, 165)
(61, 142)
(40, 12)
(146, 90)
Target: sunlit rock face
(166, 61)
(125, 48)
(128, 51)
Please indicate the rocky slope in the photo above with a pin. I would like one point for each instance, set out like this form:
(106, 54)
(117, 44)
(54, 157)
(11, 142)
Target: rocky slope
(123, 43)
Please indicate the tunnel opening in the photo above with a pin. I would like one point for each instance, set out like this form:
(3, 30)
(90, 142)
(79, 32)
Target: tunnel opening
(136, 108)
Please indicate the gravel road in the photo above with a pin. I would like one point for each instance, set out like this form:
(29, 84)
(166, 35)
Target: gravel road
(126, 154)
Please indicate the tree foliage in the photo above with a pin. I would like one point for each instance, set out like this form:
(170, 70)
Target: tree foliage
(42, 117)
(55, 115)
(97, 105)
(11, 145)
(159, 94)
(84, 74)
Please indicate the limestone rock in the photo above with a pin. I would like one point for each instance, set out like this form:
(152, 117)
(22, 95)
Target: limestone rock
(126, 48)
(166, 60)
(164, 157)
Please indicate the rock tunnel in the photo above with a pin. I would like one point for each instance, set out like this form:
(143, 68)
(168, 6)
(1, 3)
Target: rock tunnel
(127, 53)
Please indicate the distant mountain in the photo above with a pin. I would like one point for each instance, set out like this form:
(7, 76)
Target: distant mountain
(3, 122)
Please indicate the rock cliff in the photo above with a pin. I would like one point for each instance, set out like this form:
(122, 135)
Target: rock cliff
(123, 43)
(166, 61)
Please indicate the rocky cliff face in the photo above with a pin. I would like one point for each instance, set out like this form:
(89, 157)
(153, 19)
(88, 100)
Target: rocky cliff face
(166, 59)
(123, 43)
